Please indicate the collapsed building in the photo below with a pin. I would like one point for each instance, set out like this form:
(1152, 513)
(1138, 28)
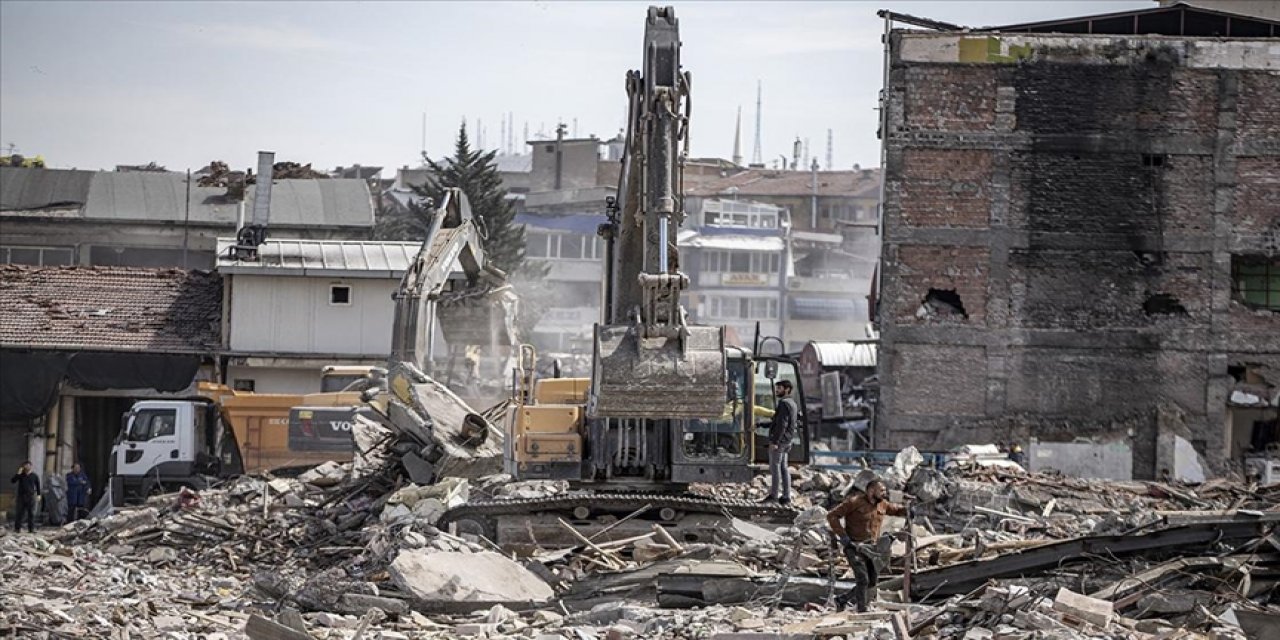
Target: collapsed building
(1080, 238)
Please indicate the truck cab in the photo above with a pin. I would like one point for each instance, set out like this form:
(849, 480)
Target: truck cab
(167, 444)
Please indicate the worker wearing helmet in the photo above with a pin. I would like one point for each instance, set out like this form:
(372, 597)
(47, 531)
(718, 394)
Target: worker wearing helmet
(1016, 455)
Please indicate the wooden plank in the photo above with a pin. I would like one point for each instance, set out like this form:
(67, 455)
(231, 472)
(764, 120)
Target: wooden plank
(606, 555)
(666, 538)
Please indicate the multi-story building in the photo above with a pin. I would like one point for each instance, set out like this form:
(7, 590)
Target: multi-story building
(1080, 236)
(736, 255)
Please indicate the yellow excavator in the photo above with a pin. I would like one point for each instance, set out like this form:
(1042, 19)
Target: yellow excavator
(668, 403)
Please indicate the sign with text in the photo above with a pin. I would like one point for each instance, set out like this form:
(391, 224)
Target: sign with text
(744, 279)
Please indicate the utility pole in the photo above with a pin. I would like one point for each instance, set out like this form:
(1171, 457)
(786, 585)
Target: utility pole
(813, 200)
(559, 153)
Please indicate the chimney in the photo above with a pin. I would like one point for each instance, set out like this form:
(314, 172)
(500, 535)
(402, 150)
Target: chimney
(250, 236)
(262, 190)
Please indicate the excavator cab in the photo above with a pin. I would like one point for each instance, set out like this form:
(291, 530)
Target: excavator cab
(769, 370)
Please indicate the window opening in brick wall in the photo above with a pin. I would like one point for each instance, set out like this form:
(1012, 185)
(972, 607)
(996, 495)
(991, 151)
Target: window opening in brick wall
(1163, 304)
(340, 294)
(1153, 159)
(942, 302)
(1255, 281)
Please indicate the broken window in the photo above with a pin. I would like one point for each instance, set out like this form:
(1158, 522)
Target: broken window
(942, 302)
(1255, 281)
(1163, 303)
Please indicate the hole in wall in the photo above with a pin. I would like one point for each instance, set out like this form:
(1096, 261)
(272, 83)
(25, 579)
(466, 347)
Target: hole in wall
(942, 303)
(1163, 304)
(1149, 258)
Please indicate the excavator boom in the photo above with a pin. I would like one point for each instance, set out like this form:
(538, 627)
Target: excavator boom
(482, 312)
(649, 362)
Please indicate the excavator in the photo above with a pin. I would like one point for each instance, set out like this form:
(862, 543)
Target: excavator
(477, 309)
(669, 407)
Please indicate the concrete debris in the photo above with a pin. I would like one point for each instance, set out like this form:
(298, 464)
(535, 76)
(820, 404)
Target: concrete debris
(997, 553)
(466, 577)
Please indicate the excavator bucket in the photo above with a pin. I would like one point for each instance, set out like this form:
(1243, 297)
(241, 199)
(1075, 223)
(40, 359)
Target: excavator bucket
(634, 377)
(484, 317)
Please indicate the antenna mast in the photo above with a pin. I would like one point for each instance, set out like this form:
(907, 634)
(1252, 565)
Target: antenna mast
(830, 165)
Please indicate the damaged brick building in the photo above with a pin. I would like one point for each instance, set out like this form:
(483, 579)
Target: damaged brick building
(1081, 235)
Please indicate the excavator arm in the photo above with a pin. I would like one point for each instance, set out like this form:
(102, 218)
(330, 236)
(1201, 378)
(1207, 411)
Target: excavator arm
(649, 361)
(482, 311)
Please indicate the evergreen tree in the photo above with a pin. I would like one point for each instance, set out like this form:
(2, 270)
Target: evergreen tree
(475, 172)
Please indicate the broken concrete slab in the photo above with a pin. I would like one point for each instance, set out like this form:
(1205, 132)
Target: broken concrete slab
(1082, 607)
(466, 577)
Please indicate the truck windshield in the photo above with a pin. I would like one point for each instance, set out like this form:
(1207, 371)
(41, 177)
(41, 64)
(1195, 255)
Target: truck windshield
(153, 423)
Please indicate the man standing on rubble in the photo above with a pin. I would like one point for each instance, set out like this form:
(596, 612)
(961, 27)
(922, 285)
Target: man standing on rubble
(28, 488)
(781, 430)
(856, 524)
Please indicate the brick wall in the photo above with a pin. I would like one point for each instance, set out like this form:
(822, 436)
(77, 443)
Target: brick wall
(1084, 203)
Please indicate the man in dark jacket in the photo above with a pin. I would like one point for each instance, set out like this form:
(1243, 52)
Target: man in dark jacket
(781, 431)
(28, 488)
(78, 490)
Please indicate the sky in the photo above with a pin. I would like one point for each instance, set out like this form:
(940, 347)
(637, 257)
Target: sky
(92, 85)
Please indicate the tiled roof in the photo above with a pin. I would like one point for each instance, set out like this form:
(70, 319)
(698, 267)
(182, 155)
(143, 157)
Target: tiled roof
(772, 182)
(110, 309)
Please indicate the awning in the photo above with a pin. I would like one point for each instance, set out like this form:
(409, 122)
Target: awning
(29, 380)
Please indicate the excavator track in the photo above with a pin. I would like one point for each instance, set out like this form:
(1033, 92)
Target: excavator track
(604, 508)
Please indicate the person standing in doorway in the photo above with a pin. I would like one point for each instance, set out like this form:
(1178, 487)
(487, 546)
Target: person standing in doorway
(28, 488)
(856, 524)
(781, 430)
(78, 491)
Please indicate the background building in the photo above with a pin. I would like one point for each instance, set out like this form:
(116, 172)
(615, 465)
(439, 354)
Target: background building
(1081, 234)
(155, 218)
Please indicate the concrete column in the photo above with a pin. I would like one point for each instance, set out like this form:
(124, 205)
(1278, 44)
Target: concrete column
(66, 435)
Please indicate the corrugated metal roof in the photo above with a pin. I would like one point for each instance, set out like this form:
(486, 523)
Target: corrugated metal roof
(24, 189)
(350, 258)
(161, 197)
(844, 354)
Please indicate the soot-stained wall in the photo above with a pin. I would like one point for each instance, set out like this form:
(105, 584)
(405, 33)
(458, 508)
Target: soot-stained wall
(1060, 214)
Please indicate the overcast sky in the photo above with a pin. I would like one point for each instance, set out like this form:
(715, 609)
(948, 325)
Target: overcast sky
(92, 85)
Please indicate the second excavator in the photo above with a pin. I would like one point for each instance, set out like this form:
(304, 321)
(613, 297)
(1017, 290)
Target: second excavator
(668, 403)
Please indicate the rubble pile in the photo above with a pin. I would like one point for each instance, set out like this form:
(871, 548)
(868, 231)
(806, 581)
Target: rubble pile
(353, 551)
